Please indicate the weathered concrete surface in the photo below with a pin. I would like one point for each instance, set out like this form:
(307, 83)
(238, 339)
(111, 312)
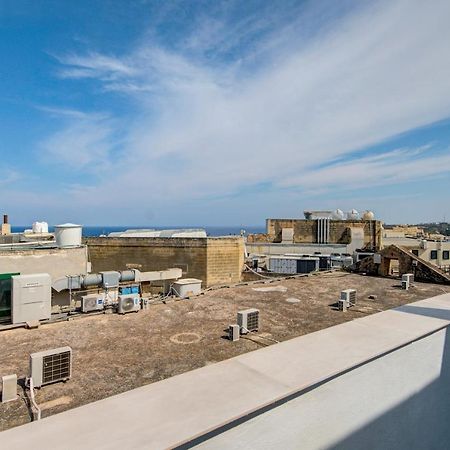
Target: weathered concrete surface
(186, 407)
(113, 353)
(212, 260)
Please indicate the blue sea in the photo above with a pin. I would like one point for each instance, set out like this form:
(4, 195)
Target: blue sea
(210, 230)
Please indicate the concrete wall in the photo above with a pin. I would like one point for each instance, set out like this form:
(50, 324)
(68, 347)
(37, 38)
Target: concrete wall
(57, 262)
(212, 260)
(398, 401)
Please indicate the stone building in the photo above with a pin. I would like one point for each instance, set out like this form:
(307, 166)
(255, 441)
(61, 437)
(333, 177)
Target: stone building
(317, 235)
(214, 260)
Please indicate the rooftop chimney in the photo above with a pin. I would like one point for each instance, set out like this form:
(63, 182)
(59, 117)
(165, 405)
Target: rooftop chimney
(6, 227)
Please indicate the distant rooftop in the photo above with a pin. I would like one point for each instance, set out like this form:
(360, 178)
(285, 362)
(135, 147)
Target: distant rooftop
(185, 232)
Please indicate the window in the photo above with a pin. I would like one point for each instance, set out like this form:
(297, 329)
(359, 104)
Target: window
(415, 252)
(445, 254)
(433, 254)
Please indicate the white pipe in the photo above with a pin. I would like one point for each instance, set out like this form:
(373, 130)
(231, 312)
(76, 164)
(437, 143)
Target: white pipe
(26, 244)
(37, 412)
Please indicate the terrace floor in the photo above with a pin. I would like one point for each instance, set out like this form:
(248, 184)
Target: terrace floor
(114, 353)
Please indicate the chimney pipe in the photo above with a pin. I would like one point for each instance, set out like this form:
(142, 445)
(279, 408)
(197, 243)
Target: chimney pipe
(5, 218)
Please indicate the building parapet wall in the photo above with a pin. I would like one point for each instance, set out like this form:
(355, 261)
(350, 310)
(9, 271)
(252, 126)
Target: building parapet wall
(212, 260)
(57, 262)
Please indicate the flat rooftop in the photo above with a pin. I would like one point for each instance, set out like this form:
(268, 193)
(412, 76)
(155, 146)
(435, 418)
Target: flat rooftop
(114, 354)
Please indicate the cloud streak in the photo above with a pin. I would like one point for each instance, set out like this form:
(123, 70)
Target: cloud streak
(204, 126)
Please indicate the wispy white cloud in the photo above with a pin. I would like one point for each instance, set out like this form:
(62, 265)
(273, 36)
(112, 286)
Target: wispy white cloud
(84, 142)
(388, 168)
(9, 176)
(208, 127)
(94, 65)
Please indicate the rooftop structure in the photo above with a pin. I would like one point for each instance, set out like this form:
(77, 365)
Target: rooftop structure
(181, 233)
(214, 260)
(326, 235)
(176, 337)
(375, 382)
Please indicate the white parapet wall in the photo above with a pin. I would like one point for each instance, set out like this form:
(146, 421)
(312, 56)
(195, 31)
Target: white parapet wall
(57, 262)
(379, 382)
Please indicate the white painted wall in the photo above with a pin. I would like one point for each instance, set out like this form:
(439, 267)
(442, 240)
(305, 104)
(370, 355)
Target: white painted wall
(399, 401)
(57, 262)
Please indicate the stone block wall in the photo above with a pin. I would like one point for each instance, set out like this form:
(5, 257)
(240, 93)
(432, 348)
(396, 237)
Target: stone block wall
(212, 260)
(305, 231)
(225, 260)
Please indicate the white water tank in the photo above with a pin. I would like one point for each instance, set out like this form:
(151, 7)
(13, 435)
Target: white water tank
(338, 215)
(353, 215)
(368, 215)
(68, 235)
(40, 227)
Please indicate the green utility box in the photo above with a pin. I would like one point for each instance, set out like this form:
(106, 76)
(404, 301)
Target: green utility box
(5, 296)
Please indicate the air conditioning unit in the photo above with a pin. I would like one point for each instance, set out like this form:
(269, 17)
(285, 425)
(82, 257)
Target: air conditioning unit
(92, 302)
(349, 295)
(342, 305)
(248, 320)
(405, 284)
(409, 277)
(129, 303)
(234, 332)
(51, 366)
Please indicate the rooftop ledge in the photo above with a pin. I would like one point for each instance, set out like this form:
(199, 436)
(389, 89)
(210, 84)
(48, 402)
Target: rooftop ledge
(180, 409)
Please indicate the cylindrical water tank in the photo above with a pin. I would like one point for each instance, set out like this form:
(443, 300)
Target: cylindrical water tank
(368, 215)
(68, 235)
(40, 227)
(353, 215)
(338, 215)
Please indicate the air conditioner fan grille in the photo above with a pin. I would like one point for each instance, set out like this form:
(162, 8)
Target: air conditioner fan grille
(56, 367)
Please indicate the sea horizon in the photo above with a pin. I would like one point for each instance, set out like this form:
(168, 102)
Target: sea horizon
(211, 230)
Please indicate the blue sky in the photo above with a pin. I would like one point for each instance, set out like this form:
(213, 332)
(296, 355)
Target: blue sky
(223, 112)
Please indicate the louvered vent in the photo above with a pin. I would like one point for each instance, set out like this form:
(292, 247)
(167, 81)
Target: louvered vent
(51, 366)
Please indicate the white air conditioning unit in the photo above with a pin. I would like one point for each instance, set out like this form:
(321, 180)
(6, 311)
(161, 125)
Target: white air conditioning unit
(342, 305)
(349, 295)
(234, 332)
(51, 366)
(248, 320)
(409, 277)
(129, 303)
(405, 284)
(92, 302)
